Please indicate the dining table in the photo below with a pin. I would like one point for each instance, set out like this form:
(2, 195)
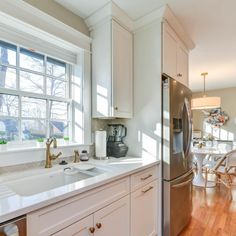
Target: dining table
(200, 154)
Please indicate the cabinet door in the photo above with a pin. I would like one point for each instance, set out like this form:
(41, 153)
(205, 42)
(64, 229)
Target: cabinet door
(182, 65)
(144, 210)
(122, 71)
(113, 220)
(169, 52)
(80, 228)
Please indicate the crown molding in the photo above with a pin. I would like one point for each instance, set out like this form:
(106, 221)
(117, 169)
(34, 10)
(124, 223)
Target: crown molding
(165, 14)
(23, 16)
(109, 11)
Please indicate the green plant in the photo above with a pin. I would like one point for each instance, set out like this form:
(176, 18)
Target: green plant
(3, 142)
(66, 138)
(40, 140)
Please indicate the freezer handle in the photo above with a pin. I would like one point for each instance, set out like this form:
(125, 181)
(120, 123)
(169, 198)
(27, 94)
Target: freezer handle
(182, 184)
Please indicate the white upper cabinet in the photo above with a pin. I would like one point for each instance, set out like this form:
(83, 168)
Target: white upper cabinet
(122, 71)
(175, 56)
(112, 71)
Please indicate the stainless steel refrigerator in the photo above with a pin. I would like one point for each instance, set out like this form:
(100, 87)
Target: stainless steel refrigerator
(177, 171)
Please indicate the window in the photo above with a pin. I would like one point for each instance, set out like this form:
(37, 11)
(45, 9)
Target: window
(35, 99)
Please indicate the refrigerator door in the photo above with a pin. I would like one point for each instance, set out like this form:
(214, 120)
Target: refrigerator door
(177, 204)
(177, 128)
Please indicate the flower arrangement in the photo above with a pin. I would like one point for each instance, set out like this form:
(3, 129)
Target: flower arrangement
(217, 118)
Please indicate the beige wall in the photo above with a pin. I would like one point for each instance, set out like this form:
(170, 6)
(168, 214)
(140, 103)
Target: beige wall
(57, 11)
(228, 105)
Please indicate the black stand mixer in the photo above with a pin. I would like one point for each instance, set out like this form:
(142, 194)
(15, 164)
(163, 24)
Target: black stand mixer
(115, 145)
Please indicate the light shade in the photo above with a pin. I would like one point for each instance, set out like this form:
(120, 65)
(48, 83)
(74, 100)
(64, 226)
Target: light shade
(205, 103)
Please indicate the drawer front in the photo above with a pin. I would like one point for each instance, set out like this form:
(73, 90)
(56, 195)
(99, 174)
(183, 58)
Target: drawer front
(144, 177)
(51, 219)
(144, 210)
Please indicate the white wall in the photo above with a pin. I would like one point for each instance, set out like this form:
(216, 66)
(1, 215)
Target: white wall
(144, 137)
(59, 12)
(228, 98)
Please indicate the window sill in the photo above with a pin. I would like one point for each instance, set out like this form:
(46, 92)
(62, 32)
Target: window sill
(12, 149)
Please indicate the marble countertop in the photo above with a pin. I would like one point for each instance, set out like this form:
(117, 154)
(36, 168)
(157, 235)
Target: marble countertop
(13, 205)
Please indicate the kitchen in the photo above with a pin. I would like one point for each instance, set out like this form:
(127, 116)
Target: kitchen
(91, 75)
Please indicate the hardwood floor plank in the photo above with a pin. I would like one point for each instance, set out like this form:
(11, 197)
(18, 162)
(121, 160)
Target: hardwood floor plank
(214, 213)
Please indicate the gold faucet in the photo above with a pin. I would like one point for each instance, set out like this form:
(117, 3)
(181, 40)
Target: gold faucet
(49, 156)
(76, 156)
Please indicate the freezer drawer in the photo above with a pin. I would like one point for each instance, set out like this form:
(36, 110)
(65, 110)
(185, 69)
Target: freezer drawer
(177, 207)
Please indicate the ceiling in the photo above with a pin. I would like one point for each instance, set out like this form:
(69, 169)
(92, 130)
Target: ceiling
(209, 23)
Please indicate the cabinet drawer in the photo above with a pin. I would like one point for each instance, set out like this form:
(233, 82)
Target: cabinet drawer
(51, 219)
(141, 178)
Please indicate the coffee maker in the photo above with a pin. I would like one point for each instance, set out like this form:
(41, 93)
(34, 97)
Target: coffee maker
(115, 145)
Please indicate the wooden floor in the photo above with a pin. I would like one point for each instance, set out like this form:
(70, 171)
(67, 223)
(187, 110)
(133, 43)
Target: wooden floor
(214, 213)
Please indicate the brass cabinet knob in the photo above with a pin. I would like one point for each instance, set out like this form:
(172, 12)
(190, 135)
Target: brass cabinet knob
(116, 108)
(179, 75)
(92, 229)
(99, 225)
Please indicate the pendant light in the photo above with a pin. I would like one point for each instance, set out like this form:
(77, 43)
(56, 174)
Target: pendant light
(204, 102)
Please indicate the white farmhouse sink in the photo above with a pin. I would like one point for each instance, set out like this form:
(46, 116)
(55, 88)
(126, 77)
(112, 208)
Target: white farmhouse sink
(33, 184)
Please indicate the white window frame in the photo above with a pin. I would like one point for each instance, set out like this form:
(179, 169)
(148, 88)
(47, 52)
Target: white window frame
(44, 96)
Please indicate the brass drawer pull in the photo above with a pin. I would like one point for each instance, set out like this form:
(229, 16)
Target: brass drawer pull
(99, 225)
(147, 177)
(144, 191)
(92, 229)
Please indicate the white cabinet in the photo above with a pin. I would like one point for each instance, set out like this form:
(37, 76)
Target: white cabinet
(175, 56)
(144, 210)
(111, 220)
(114, 219)
(112, 71)
(58, 216)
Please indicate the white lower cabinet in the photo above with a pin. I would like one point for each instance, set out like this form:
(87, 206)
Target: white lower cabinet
(125, 207)
(83, 227)
(144, 210)
(114, 219)
(111, 220)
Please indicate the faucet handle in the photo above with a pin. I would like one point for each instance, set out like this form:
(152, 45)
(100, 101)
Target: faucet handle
(54, 157)
(59, 154)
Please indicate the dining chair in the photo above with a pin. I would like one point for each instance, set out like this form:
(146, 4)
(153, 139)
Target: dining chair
(224, 169)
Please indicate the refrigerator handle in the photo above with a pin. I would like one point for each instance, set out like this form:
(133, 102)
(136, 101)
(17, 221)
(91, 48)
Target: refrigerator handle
(188, 108)
(182, 184)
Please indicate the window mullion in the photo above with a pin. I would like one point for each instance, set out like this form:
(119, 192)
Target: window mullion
(69, 106)
(47, 119)
(20, 118)
(45, 76)
(18, 68)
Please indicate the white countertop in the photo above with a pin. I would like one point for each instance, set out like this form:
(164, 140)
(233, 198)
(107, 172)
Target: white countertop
(13, 205)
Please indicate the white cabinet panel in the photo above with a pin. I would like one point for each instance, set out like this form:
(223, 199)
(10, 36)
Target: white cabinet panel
(112, 71)
(144, 210)
(80, 228)
(169, 53)
(182, 65)
(175, 56)
(114, 219)
(122, 73)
